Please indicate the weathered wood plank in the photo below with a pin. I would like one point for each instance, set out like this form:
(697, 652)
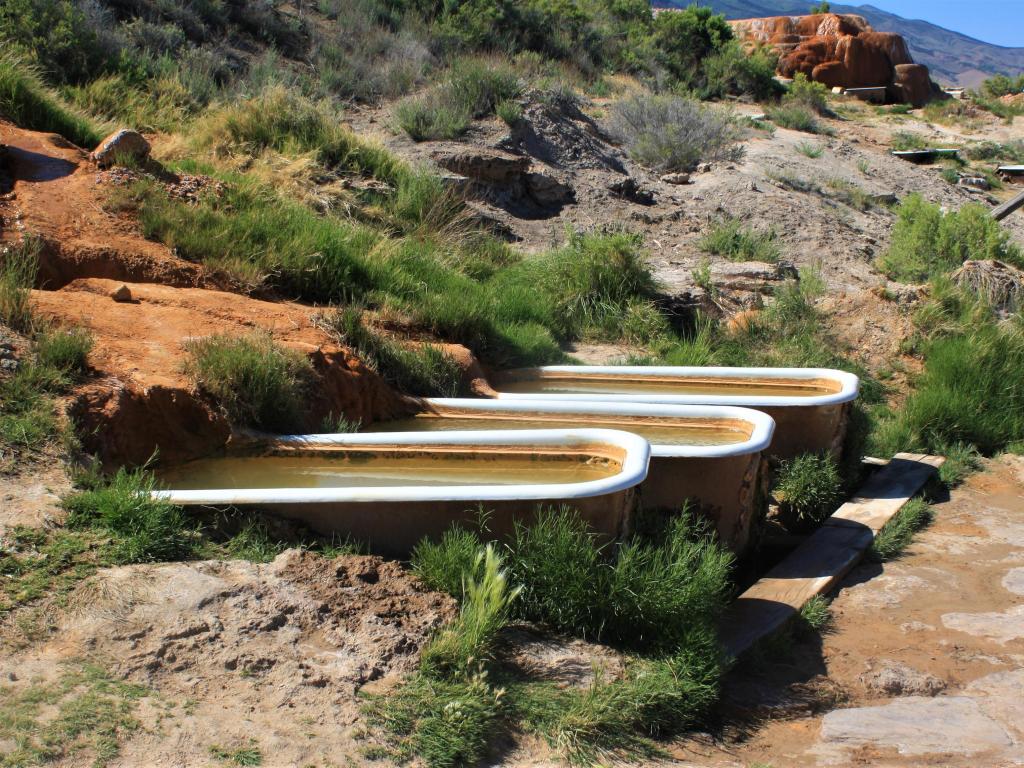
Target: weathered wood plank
(1001, 212)
(817, 565)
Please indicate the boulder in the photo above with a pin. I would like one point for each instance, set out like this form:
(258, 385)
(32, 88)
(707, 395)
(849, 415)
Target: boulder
(911, 85)
(548, 191)
(676, 178)
(491, 166)
(121, 294)
(122, 144)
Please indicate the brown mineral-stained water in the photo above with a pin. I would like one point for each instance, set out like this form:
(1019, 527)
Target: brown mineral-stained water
(624, 385)
(691, 432)
(338, 469)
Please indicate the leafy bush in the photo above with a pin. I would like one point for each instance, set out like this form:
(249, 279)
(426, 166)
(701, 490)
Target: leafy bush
(804, 92)
(257, 382)
(1002, 85)
(905, 140)
(927, 242)
(684, 39)
(429, 118)
(672, 133)
(146, 529)
(18, 267)
(510, 112)
(26, 101)
(739, 243)
(808, 488)
(734, 72)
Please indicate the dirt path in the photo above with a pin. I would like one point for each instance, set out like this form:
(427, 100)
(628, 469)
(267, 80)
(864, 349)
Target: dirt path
(925, 661)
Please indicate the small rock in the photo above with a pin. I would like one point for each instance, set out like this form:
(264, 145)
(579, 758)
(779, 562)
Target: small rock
(122, 144)
(975, 182)
(676, 178)
(704, 168)
(895, 679)
(629, 189)
(121, 294)
(491, 166)
(888, 198)
(8, 365)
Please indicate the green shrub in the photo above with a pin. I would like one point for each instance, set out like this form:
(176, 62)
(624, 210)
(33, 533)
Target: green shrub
(425, 370)
(685, 39)
(897, 534)
(927, 242)
(145, 529)
(257, 382)
(732, 71)
(739, 243)
(26, 101)
(904, 141)
(807, 93)
(672, 133)
(808, 488)
(18, 267)
(795, 117)
(1002, 85)
(66, 351)
(510, 112)
(27, 415)
(428, 118)
(446, 564)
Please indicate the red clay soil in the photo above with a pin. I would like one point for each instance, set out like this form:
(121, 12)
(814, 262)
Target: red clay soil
(141, 400)
(53, 191)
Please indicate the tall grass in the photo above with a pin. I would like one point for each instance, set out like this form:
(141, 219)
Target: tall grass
(28, 102)
(897, 534)
(257, 382)
(927, 243)
(424, 370)
(145, 529)
(18, 267)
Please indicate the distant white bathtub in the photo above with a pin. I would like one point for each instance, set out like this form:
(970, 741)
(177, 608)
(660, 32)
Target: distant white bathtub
(711, 455)
(393, 489)
(810, 406)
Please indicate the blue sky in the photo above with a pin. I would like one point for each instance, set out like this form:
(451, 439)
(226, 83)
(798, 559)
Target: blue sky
(994, 21)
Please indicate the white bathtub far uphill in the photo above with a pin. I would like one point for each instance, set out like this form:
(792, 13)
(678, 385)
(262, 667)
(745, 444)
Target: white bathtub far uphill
(722, 477)
(810, 406)
(393, 518)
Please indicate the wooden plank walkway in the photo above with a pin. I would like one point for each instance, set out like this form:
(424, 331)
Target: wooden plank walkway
(818, 564)
(1001, 212)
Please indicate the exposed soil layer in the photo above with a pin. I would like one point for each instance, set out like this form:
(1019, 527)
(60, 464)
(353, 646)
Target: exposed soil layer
(141, 399)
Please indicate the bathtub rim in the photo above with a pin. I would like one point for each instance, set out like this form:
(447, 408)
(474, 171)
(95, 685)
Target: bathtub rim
(848, 391)
(632, 471)
(759, 440)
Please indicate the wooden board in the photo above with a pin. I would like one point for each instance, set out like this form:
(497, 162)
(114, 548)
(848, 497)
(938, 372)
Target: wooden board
(1001, 212)
(817, 565)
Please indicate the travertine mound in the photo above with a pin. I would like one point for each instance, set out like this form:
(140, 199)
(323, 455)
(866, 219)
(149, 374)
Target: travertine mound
(841, 51)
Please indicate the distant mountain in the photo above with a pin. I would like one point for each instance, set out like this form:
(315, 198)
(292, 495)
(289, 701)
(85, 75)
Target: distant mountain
(953, 58)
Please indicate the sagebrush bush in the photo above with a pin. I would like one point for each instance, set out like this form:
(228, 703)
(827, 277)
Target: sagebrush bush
(795, 117)
(672, 133)
(146, 529)
(808, 488)
(807, 93)
(928, 243)
(258, 383)
(736, 242)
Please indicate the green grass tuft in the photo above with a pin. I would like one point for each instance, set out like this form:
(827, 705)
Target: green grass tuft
(897, 534)
(66, 351)
(257, 382)
(18, 267)
(739, 243)
(813, 151)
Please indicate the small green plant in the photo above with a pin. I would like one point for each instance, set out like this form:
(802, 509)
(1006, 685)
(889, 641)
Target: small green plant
(808, 489)
(816, 614)
(147, 529)
(849, 193)
(739, 243)
(702, 276)
(511, 112)
(247, 755)
(18, 267)
(428, 118)
(66, 351)
(255, 543)
(950, 176)
(897, 534)
(795, 117)
(258, 383)
(672, 133)
(904, 141)
(813, 151)
(864, 166)
(822, 7)
(446, 564)
(807, 93)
